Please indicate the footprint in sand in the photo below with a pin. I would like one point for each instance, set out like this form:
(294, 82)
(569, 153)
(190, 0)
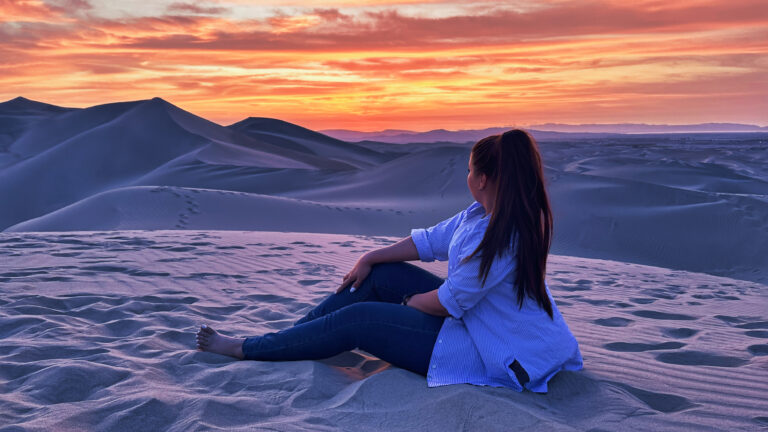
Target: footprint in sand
(679, 333)
(200, 243)
(662, 402)
(118, 269)
(579, 285)
(309, 282)
(699, 358)
(642, 300)
(21, 274)
(181, 249)
(729, 319)
(641, 347)
(210, 275)
(663, 315)
(758, 350)
(613, 322)
(596, 302)
(286, 272)
(754, 325)
(665, 294)
(757, 333)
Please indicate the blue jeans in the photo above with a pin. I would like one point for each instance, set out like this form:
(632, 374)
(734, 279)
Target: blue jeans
(371, 319)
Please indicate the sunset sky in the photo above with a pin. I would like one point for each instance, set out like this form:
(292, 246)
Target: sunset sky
(371, 65)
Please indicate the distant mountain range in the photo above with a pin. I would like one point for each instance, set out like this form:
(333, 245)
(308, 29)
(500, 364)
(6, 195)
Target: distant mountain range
(547, 131)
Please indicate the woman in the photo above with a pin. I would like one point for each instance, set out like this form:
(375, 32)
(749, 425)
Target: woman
(491, 322)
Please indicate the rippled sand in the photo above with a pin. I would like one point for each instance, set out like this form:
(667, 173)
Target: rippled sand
(98, 334)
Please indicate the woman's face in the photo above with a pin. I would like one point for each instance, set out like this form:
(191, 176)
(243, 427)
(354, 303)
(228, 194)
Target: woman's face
(474, 180)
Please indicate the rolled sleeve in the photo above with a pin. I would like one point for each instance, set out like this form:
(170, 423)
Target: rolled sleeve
(419, 236)
(433, 242)
(448, 300)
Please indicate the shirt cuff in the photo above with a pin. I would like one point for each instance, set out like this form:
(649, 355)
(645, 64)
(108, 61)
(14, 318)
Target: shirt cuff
(419, 236)
(446, 298)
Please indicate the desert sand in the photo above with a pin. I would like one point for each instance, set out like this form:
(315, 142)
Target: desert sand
(128, 225)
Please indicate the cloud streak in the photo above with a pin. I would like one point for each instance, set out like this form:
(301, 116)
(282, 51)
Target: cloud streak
(419, 65)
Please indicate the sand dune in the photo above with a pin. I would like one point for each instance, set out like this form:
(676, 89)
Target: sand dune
(96, 149)
(98, 330)
(657, 200)
(128, 224)
(297, 138)
(18, 116)
(145, 207)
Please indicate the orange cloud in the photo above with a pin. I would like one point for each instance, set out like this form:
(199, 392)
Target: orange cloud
(420, 67)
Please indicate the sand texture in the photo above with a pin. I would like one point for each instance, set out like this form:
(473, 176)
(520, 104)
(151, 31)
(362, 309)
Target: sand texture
(98, 333)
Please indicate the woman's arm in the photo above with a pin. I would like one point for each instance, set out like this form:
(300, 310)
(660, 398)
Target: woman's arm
(428, 303)
(404, 250)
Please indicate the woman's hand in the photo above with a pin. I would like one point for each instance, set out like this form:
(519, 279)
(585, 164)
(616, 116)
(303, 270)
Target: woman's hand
(357, 275)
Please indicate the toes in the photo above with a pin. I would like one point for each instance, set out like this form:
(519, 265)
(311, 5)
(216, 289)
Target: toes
(204, 337)
(202, 341)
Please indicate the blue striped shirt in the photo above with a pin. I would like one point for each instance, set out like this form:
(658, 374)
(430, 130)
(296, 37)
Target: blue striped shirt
(486, 330)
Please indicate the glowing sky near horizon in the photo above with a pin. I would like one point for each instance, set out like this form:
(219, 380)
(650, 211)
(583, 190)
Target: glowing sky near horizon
(418, 65)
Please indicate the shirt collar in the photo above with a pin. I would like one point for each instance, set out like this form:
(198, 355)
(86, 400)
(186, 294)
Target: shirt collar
(477, 209)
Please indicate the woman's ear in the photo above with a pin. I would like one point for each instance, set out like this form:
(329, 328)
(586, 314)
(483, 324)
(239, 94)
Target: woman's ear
(483, 181)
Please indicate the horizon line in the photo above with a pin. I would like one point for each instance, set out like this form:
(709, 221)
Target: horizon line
(407, 131)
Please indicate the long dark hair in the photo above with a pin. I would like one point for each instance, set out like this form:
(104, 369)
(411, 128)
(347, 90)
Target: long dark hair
(521, 213)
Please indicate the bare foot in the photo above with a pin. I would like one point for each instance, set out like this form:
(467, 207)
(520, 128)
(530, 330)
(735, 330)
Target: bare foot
(210, 340)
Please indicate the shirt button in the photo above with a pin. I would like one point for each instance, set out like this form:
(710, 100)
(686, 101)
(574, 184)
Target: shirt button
(434, 366)
(440, 341)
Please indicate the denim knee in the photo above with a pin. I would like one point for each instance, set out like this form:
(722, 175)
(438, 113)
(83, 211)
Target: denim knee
(380, 269)
(377, 271)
